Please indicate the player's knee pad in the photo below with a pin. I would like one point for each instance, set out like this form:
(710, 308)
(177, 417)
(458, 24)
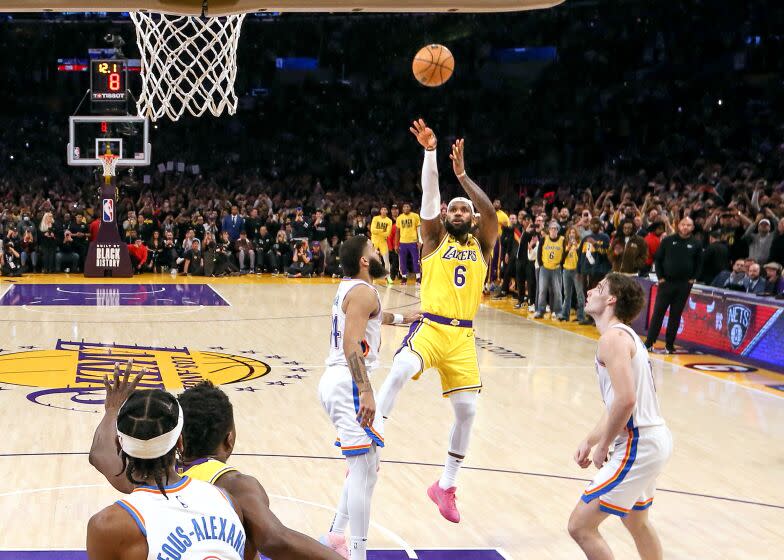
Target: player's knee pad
(465, 405)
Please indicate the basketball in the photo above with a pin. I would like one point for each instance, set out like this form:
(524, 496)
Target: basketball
(433, 65)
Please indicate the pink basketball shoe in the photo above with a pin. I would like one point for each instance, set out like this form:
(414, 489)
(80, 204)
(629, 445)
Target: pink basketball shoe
(445, 500)
(336, 542)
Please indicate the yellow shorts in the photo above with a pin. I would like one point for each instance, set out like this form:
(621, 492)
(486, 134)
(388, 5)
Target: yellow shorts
(380, 244)
(450, 350)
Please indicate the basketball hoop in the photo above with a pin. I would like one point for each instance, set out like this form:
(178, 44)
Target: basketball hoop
(109, 162)
(189, 63)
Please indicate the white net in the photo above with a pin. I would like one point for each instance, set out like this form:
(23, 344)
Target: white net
(189, 63)
(109, 163)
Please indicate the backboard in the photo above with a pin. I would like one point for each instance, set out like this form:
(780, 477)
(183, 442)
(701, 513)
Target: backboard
(126, 136)
(225, 7)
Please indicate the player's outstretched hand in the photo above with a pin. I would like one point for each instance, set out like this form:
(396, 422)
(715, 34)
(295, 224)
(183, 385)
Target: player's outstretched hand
(583, 454)
(121, 387)
(458, 157)
(424, 134)
(367, 409)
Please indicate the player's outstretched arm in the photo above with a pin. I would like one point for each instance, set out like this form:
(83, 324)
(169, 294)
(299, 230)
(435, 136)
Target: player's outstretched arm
(616, 350)
(360, 304)
(488, 222)
(264, 529)
(104, 452)
(432, 228)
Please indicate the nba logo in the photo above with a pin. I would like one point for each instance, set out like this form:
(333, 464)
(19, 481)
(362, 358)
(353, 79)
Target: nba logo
(108, 210)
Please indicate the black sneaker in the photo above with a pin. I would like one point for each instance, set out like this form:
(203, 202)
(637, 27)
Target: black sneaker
(518, 305)
(500, 295)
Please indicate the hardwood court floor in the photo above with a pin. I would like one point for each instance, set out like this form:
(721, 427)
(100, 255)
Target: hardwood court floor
(721, 494)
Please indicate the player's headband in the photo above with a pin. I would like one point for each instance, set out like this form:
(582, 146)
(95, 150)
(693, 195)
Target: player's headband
(462, 199)
(151, 448)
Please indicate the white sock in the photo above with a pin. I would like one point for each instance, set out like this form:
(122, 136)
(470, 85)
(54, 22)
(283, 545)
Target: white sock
(449, 476)
(357, 548)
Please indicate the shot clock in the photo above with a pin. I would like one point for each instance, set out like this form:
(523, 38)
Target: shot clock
(108, 86)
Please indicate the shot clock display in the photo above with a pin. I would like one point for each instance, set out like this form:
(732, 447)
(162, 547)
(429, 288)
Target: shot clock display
(108, 86)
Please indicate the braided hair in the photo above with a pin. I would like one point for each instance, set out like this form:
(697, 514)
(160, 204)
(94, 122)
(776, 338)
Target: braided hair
(146, 415)
(209, 418)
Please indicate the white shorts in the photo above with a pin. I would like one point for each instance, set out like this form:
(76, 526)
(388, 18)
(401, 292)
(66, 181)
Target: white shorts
(340, 398)
(628, 480)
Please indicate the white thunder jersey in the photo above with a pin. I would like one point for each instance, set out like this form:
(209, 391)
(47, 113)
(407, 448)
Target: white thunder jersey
(646, 410)
(196, 521)
(371, 343)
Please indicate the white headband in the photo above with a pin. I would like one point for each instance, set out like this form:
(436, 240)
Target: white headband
(151, 448)
(463, 200)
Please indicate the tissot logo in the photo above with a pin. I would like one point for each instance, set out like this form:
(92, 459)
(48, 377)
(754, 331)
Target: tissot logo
(71, 375)
(738, 321)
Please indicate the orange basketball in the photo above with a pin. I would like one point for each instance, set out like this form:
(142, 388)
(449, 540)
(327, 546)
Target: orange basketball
(433, 65)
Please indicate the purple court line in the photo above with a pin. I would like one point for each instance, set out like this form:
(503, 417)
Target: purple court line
(112, 295)
(419, 464)
(425, 554)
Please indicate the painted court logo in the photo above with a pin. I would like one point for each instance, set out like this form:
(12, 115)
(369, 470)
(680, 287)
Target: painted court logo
(71, 375)
(738, 321)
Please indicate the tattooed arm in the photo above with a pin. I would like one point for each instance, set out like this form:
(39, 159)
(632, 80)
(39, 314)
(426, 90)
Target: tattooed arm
(359, 305)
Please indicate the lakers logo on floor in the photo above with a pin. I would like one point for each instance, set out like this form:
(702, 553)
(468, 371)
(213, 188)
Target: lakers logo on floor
(71, 375)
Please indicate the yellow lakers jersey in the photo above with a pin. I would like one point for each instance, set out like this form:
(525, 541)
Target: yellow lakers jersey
(408, 224)
(503, 221)
(380, 227)
(208, 471)
(453, 277)
(552, 252)
(572, 256)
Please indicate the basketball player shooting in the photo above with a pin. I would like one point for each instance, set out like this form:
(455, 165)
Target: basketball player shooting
(631, 429)
(454, 267)
(346, 392)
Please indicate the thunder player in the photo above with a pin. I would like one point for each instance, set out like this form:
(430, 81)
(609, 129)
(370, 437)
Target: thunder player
(208, 437)
(631, 430)
(166, 516)
(380, 228)
(346, 393)
(454, 266)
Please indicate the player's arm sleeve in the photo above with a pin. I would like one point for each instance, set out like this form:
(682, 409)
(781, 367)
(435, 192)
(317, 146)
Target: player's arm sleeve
(431, 196)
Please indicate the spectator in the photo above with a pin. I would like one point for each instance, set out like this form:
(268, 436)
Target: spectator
(760, 242)
(233, 224)
(777, 246)
(193, 260)
(245, 252)
(653, 240)
(81, 235)
(317, 260)
(138, 252)
(754, 283)
(12, 264)
(261, 246)
(279, 255)
(732, 280)
(300, 228)
(572, 283)
(170, 252)
(550, 256)
(678, 263)
(224, 258)
(715, 259)
(510, 242)
(155, 253)
(252, 225)
(66, 257)
(28, 252)
(48, 243)
(594, 263)
(300, 261)
(628, 252)
(333, 268)
(774, 283)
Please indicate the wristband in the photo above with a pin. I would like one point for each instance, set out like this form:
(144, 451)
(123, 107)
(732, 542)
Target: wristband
(398, 320)
(463, 174)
